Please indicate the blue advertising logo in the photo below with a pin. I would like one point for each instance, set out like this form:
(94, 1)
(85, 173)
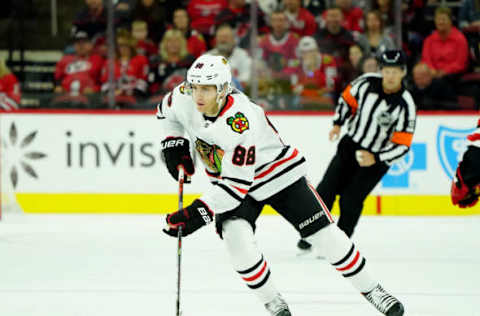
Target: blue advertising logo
(398, 176)
(451, 144)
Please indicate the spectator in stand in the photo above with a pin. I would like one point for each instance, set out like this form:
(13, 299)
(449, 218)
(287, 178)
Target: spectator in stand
(123, 10)
(315, 78)
(446, 50)
(369, 63)
(155, 14)
(169, 67)
(430, 93)
(203, 13)
(335, 40)
(301, 21)
(316, 8)
(422, 90)
(195, 42)
(355, 55)
(91, 19)
(79, 73)
(237, 14)
(352, 16)
(279, 46)
(469, 22)
(375, 40)
(469, 15)
(130, 71)
(10, 94)
(143, 45)
(238, 58)
(385, 7)
(353, 67)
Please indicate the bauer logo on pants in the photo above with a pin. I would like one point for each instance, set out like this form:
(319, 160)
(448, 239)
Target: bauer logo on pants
(451, 144)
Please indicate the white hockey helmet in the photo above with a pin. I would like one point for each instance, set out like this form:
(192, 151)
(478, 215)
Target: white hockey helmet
(211, 70)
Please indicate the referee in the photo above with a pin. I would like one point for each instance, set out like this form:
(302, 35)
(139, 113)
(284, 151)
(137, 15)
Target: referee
(380, 115)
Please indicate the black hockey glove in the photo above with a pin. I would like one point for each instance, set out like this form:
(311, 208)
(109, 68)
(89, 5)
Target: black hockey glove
(176, 153)
(190, 218)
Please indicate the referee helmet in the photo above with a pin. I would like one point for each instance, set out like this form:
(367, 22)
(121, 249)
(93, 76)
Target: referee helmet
(393, 58)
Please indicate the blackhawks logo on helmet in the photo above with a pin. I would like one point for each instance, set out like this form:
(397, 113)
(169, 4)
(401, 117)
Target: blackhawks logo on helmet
(238, 123)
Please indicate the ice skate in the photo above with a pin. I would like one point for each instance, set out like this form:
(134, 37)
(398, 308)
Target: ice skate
(384, 302)
(278, 307)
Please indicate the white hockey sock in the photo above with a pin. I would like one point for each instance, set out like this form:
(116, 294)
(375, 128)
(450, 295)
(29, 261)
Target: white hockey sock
(247, 260)
(344, 256)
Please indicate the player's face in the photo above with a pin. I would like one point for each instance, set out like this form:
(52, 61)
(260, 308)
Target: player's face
(205, 97)
(392, 78)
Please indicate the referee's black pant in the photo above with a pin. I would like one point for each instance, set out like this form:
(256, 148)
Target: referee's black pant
(353, 183)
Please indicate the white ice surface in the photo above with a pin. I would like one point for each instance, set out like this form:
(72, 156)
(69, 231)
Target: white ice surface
(78, 265)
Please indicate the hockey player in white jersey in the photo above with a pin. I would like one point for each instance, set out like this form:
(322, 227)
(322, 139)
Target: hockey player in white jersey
(250, 166)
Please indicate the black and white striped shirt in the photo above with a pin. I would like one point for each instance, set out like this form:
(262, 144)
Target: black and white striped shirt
(381, 123)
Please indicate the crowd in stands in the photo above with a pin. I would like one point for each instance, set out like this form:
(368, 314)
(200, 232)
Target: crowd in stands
(306, 51)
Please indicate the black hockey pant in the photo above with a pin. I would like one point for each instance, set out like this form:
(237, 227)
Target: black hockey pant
(353, 183)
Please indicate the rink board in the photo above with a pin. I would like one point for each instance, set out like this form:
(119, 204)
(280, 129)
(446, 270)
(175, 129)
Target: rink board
(109, 162)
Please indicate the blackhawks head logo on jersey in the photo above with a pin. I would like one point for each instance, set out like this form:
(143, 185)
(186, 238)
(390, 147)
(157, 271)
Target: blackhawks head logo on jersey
(211, 155)
(238, 123)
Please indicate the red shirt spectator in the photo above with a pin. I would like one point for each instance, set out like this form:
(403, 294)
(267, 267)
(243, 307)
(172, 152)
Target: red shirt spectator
(334, 39)
(237, 14)
(79, 72)
(353, 19)
(446, 50)
(352, 16)
(301, 21)
(195, 42)
(130, 71)
(316, 76)
(9, 89)
(144, 46)
(278, 47)
(203, 13)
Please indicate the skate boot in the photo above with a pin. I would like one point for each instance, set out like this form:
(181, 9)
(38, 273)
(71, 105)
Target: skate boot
(278, 307)
(384, 302)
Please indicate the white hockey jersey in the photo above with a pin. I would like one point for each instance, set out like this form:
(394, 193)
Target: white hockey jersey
(241, 150)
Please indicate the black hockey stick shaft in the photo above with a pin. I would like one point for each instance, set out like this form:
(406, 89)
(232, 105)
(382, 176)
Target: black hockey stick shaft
(181, 179)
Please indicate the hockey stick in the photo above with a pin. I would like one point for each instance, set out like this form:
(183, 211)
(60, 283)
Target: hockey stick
(181, 179)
